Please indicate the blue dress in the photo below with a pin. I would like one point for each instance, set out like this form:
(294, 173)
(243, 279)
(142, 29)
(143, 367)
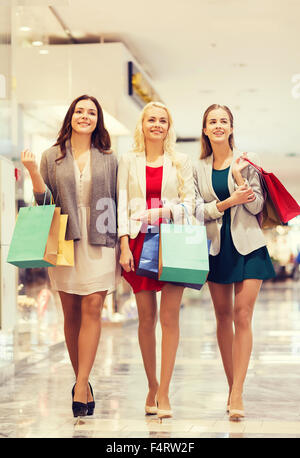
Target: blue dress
(229, 266)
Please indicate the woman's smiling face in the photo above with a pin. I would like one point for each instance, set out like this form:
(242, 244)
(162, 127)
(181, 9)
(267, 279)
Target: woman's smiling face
(155, 124)
(85, 116)
(218, 127)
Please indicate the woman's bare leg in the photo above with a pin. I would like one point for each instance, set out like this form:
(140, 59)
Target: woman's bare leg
(147, 312)
(171, 296)
(71, 305)
(222, 297)
(88, 340)
(246, 293)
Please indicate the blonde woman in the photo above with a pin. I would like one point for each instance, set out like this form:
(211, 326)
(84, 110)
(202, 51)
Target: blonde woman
(239, 259)
(153, 180)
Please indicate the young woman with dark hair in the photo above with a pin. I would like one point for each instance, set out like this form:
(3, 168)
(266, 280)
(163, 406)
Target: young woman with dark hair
(100, 138)
(239, 261)
(79, 172)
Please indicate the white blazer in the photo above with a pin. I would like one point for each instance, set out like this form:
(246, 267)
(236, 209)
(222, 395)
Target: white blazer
(131, 189)
(246, 233)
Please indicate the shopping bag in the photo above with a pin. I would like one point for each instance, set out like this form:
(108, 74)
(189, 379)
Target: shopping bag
(148, 263)
(268, 218)
(52, 241)
(149, 260)
(65, 252)
(285, 205)
(35, 238)
(194, 285)
(183, 254)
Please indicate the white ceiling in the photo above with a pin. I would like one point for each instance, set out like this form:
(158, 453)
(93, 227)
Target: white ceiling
(240, 53)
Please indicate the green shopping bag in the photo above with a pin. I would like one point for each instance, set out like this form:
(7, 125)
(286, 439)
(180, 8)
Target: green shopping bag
(35, 238)
(183, 253)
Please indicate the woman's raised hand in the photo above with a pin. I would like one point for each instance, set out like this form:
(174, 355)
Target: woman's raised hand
(239, 164)
(28, 160)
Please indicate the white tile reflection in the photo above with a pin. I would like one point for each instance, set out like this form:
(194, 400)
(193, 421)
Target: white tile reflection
(36, 399)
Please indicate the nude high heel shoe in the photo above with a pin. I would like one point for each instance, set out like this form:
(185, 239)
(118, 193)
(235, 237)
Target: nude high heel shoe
(150, 410)
(235, 414)
(163, 413)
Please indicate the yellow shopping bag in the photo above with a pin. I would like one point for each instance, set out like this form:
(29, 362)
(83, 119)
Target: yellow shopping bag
(65, 252)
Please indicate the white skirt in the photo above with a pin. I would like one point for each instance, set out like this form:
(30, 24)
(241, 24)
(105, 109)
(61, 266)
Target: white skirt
(96, 268)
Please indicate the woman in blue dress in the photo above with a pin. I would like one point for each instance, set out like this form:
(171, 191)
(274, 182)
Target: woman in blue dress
(230, 197)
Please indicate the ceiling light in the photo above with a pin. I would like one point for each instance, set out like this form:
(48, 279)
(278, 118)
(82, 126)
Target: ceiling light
(44, 51)
(25, 28)
(37, 43)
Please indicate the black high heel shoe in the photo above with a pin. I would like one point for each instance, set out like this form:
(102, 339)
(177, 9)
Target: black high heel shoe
(79, 408)
(91, 405)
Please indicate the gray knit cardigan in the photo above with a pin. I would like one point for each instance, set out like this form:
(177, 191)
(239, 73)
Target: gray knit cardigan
(60, 183)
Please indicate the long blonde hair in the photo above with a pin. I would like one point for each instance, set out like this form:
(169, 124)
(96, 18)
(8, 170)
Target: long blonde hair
(169, 141)
(206, 149)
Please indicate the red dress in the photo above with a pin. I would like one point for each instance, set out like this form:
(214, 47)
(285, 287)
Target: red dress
(153, 198)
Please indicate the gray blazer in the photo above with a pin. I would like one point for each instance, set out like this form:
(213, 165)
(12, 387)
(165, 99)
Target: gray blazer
(60, 182)
(246, 233)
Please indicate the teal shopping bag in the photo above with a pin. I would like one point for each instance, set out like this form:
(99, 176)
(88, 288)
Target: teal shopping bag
(183, 253)
(35, 238)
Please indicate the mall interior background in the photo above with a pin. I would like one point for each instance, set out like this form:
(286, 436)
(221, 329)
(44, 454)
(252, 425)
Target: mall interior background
(186, 55)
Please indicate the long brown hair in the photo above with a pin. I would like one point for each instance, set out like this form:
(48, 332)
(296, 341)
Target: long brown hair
(100, 136)
(206, 149)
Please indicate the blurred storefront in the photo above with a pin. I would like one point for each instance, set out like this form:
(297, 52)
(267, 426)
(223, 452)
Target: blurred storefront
(284, 248)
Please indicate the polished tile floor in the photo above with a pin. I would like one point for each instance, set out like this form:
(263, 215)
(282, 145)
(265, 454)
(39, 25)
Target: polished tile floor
(35, 401)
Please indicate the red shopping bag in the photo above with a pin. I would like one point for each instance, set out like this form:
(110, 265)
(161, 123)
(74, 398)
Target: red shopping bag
(285, 205)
